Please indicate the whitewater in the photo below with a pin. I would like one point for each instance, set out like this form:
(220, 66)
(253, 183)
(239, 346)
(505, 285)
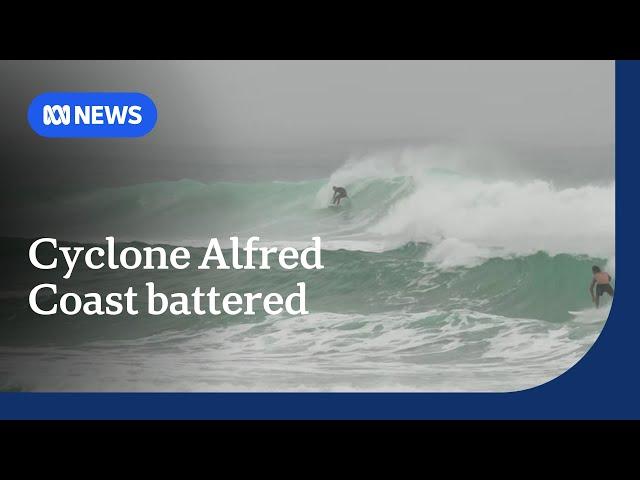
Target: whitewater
(438, 277)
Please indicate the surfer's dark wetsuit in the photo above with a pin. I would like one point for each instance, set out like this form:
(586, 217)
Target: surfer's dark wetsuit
(602, 282)
(338, 194)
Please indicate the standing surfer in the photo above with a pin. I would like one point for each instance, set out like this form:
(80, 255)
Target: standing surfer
(338, 194)
(602, 282)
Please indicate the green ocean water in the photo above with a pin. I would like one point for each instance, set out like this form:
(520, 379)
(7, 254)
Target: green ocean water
(432, 281)
(535, 286)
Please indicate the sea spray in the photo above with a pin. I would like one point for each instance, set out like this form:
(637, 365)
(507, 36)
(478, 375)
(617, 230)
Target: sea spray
(441, 275)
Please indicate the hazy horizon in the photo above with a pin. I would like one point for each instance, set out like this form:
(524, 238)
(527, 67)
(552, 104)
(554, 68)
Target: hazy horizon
(276, 119)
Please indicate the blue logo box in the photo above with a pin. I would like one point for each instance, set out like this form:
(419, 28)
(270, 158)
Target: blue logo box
(92, 115)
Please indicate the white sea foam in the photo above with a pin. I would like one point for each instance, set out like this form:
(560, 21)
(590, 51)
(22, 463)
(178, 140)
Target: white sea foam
(467, 217)
(460, 350)
(452, 198)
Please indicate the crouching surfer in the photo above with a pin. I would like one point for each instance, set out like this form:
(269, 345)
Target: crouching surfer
(602, 282)
(338, 194)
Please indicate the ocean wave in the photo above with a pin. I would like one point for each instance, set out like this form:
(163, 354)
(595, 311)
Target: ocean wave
(405, 280)
(434, 350)
(393, 199)
(437, 277)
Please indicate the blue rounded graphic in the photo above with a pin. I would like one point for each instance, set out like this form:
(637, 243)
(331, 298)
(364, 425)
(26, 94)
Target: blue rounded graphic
(92, 114)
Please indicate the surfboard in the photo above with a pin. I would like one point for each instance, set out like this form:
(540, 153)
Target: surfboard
(345, 202)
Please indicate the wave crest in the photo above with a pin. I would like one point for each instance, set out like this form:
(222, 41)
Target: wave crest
(394, 198)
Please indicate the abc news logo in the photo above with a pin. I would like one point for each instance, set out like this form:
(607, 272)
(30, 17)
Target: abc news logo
(91, 115)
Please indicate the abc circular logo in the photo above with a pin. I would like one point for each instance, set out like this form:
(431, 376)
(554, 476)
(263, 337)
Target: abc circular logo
(92, 114)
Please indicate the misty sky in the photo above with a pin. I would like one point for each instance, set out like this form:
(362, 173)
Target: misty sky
(215, 115)
(279, 103)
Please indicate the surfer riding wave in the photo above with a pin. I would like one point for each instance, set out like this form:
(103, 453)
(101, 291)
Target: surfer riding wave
(338, 194)
(602, 282)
